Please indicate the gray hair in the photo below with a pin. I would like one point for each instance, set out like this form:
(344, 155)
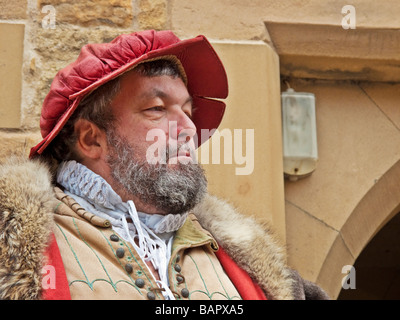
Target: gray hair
(174, 191)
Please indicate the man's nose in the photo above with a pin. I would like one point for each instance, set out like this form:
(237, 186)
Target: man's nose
(185, 128)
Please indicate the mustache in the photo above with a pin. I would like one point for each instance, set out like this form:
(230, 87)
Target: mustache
(181, 149)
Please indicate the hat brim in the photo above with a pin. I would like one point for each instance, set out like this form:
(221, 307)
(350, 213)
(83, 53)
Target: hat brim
(206, 77)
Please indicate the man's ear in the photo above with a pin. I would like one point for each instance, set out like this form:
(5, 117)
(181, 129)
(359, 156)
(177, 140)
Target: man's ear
(91, 141)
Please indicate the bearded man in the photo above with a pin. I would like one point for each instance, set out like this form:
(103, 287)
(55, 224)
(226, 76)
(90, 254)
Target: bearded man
(113, 203)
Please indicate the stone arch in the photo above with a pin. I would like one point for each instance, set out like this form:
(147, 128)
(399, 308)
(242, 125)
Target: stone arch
(374, 210)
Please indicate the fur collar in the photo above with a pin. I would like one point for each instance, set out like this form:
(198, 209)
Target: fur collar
(26, 205)
(251, 244)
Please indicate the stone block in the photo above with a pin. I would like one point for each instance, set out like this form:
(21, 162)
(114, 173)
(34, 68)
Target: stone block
(11, 53)
(13, 9)
(329, 52)
(308, 240)
(331, 276)
(91, 13)
(153, 14)
(17, 143)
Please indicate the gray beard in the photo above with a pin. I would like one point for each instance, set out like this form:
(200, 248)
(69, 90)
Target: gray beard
(173, 190)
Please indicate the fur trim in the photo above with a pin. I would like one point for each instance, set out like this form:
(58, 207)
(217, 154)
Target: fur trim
(26, 206)
(307, 290)
(251, 244)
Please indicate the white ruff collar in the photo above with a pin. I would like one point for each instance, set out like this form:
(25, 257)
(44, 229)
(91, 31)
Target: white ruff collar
(153, 232)
(80, 181)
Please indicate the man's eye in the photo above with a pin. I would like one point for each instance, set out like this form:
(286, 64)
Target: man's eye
(188, 112)
(155, 109)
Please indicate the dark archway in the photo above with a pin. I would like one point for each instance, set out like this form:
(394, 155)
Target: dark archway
(377, 268)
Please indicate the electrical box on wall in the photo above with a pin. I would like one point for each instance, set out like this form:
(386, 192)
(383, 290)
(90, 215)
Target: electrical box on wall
(300, 152)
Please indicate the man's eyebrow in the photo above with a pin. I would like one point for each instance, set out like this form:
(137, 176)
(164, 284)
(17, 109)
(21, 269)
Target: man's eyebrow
(157, 93)
(154, 93)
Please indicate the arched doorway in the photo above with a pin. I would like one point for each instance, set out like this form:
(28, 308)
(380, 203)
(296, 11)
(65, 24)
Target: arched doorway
(377, 268)
(365, 231)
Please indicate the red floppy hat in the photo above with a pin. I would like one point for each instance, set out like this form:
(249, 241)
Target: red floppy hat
(100, 63)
